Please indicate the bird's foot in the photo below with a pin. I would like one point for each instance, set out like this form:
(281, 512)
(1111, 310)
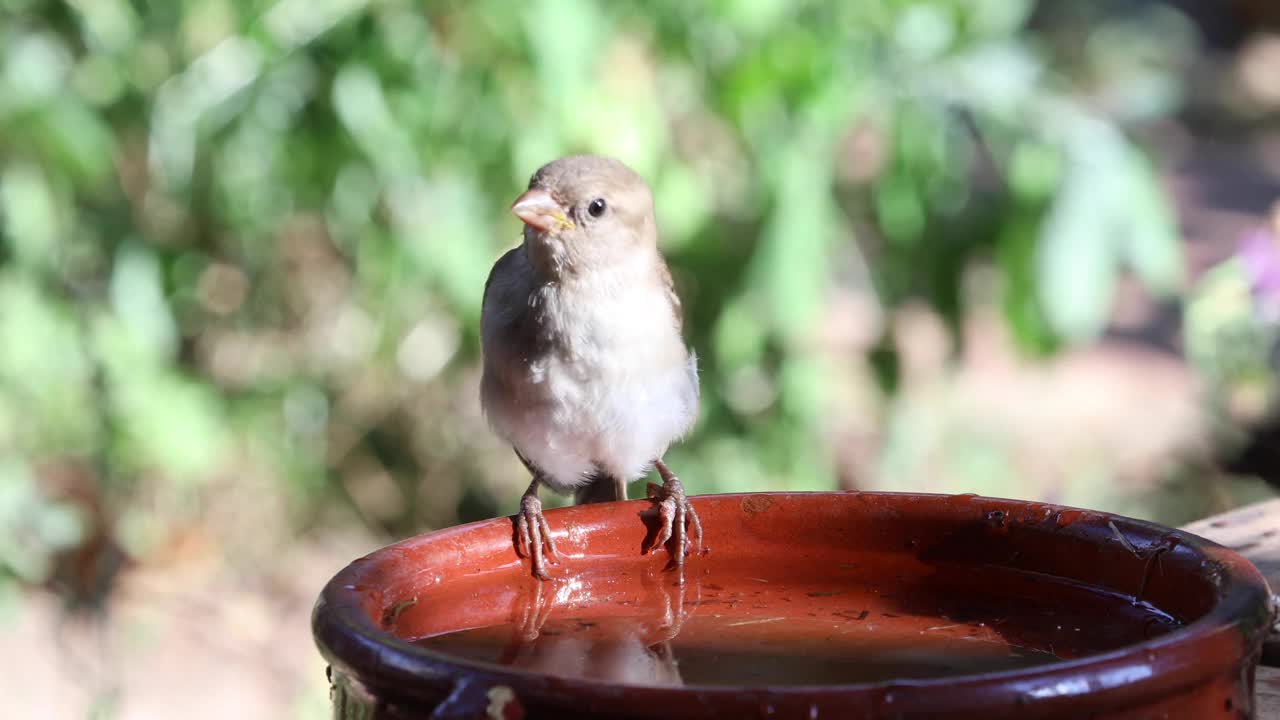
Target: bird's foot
(677, 520)
(534, 539)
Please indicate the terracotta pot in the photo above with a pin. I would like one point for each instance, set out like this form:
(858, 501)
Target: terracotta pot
(804, 605)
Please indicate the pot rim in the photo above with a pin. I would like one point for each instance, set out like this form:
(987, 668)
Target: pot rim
(350, 640)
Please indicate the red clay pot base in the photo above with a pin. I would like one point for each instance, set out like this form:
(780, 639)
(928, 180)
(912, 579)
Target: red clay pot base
(807, 605)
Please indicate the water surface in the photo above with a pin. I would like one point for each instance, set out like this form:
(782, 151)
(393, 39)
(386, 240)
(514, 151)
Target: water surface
(770, 625)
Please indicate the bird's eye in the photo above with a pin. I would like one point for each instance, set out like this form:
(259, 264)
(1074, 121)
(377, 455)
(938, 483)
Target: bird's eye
(596, 208)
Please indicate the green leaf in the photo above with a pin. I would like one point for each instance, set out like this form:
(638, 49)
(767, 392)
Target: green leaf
(138, 298)
(739, 337)
(996, 19)
(78, 139)
(1109, 211)
(360, 103)
(1152, 245)
(443, 226)
(1016, 254)
(1076, 262)
(44, 367)
(792, 258)
(29, 210)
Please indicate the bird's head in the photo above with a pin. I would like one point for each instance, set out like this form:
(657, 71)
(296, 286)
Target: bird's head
(585, 211)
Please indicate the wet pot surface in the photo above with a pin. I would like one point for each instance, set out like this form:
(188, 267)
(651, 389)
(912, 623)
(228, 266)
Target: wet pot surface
(803, 605)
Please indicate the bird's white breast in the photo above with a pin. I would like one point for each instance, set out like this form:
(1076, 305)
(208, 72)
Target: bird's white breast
(615, 388)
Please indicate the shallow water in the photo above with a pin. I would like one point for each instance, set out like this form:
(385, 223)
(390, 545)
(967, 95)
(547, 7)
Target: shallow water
(775, 626)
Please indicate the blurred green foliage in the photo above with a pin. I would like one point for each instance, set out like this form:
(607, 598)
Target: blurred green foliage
(244, 241)
(1233, 334)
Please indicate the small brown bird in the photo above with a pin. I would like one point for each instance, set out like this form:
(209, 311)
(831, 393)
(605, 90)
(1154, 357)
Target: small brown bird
(585, 370)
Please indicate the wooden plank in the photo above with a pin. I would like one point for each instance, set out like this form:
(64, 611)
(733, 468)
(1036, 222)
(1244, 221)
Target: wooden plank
(1254, 532)
(1268, 694)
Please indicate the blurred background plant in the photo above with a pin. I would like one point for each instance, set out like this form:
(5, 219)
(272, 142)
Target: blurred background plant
(922, 245)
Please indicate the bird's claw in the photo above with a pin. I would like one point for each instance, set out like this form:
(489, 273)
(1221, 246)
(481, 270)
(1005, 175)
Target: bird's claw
(535, 535)
(676, 518)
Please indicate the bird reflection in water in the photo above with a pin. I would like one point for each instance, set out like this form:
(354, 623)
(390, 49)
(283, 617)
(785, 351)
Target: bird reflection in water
(632, 649)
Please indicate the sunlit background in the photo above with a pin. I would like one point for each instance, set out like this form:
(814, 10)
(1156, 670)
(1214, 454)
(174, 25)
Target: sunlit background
(959, 245)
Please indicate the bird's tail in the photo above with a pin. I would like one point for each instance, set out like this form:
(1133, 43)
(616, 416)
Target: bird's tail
(600, 488)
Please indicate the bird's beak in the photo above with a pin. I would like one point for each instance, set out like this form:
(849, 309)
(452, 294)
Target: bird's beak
(540, 211)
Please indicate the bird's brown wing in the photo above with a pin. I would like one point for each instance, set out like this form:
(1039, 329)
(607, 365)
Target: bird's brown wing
(677, 314)
(669, 285)
(501, 268)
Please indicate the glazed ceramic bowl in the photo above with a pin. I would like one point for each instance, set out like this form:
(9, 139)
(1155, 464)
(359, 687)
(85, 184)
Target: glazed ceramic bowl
(805, 605)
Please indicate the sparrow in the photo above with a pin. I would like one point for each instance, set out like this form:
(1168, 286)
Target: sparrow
(586, 373)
